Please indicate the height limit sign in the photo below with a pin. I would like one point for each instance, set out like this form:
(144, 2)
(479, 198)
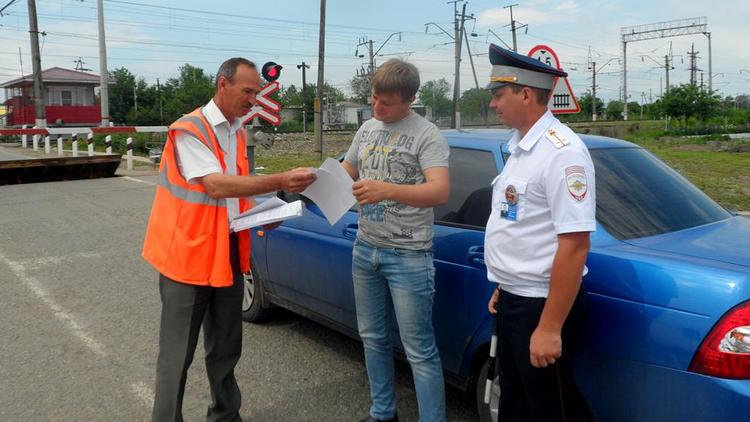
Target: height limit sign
(562, 100)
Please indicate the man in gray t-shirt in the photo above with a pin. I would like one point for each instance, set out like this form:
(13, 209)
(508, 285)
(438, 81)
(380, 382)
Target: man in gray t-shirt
(400, 163)
(397, 153)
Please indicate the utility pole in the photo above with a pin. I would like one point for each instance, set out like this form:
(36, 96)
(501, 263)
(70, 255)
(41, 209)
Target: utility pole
(693, 66)
(593, 91)
(483, 106)
(104, 73)
(319, 94)
(304, 66)
(457, 84)
(624, 80)
(36, 64)
(161, 110)
(135, 98)
(710, 74)
(666, 70)
(513, 27)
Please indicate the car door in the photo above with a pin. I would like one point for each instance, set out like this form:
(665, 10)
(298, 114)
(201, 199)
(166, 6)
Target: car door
(461, 285)
(310, 264)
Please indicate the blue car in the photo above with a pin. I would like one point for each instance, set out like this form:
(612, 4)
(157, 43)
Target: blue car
(666, 335)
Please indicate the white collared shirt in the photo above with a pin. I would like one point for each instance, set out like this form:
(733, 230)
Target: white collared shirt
(550, 176)
(195, 159)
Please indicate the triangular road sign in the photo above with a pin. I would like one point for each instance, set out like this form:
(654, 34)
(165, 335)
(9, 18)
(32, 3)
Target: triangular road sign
(562, 100)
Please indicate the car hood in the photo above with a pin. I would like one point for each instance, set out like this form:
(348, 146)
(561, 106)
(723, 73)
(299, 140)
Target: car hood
(725, 241)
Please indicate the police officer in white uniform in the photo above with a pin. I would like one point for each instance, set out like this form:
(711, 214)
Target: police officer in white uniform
(536, 242)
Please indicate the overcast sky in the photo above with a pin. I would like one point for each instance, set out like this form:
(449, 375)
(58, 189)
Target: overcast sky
(152, 39)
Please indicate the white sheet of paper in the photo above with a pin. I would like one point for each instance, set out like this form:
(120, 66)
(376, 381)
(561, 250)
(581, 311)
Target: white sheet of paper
(332, 190)
(277, 210)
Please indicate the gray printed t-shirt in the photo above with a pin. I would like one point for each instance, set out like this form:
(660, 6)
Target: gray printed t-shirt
(397, 153)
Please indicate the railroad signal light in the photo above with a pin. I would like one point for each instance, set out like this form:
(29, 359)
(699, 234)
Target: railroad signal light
(271, 71)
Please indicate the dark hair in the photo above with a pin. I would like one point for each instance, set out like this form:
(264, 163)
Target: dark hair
(542, 95)
(229, 68)
(396, 76)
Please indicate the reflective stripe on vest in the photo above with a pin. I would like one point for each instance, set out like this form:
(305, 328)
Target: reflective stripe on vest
(194, 197)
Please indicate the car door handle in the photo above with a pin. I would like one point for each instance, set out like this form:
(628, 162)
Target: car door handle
(350, 231)
(476, 255)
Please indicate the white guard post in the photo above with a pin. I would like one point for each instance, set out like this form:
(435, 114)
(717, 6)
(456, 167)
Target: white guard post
(90, 143)
(74, 144)
(130, 152)
(47, 148)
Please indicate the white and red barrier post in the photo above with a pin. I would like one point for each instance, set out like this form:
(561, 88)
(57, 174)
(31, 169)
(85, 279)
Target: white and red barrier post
(74, 144)
(90, 143)
(129, 144)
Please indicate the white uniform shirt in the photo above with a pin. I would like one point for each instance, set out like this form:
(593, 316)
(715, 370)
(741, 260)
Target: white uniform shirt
(550, 177)
(195, 159)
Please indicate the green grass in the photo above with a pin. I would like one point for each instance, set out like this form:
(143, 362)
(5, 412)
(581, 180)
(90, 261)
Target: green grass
(724, 175)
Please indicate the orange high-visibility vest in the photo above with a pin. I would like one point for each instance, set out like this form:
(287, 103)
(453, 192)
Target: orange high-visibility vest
(187, 238)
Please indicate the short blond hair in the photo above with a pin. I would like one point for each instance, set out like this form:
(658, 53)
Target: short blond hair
(396, 76)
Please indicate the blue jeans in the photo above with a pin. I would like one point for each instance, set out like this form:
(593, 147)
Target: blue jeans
(409, 276)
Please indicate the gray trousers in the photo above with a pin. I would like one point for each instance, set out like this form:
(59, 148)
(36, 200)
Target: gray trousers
(184, 308)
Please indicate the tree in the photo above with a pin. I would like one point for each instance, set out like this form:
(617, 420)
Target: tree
(435, 94)
(360, 86)
(190, 90)
(686, 101)
(121, 98)
(614, 110)
(586, 101)
(475, 103)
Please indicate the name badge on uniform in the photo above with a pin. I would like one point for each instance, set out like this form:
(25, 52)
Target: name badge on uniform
(509, 208)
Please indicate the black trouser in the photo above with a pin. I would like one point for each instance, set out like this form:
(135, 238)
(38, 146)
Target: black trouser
(528, 393)
(184, 308)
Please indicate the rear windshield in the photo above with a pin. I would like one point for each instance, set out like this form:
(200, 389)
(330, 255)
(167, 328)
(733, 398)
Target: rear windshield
(637, 195)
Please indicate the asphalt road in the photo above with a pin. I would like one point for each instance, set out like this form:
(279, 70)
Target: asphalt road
(79, 323)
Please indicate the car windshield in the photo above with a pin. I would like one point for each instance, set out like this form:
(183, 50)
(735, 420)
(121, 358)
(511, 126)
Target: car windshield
(637, 195)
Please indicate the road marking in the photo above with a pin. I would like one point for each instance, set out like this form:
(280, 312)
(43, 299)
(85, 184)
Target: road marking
(133, 179)
(141, 390)
(61, 313)
(46, 261)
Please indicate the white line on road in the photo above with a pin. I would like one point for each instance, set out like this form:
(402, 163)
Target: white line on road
(133, 179)
(141, 390)
(19, 270)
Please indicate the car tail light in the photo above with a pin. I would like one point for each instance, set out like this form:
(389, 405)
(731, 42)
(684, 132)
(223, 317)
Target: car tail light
(725, 352)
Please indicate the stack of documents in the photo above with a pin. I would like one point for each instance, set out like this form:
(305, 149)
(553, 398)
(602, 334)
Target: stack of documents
(331, 192)
(270, 211)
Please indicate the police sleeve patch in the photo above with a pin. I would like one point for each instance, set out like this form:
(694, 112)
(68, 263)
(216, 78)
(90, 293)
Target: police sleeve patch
(575, 179)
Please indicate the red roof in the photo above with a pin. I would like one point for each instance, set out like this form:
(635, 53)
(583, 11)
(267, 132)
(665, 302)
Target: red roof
(57, 75)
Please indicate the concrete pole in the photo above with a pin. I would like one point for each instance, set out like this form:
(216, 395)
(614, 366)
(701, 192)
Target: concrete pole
(710, 73)
(104, 73)
(666, 69)
(36, 64)
(319, 93)
(304, 66)
(593, 91)
(625, 80)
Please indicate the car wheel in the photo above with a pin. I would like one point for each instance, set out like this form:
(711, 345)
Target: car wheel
(254, 308)
(487, 412)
